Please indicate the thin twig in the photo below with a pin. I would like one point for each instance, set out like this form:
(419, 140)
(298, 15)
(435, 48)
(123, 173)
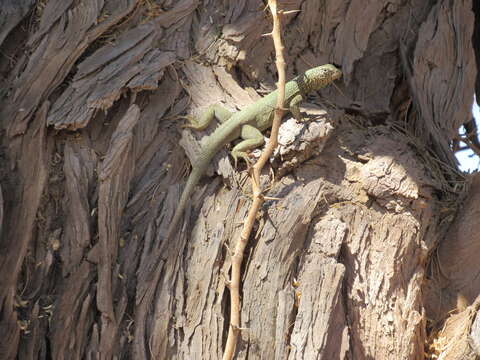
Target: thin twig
(471, 145)
(258, 198)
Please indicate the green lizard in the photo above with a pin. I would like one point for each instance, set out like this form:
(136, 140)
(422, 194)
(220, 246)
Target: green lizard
(248, 125)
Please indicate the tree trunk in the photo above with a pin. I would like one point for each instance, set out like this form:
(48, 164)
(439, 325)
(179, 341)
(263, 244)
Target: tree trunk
(364, 254)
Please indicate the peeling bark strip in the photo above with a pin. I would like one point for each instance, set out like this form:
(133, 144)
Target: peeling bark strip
(66, 30)
(11, 13)
(129, 64)
(31, 154)
(79, 169)
(443, 85)
(114, 175)
(456, 283)
(336, 267)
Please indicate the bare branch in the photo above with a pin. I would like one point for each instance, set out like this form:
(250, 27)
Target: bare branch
(258, 198)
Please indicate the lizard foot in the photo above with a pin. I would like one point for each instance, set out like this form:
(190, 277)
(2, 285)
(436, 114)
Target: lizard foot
(241, 154)
(191, 122)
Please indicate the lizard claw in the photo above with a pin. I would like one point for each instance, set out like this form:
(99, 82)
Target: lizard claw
(190, 123)
(248, 159)
(245, 156)
(235, 161)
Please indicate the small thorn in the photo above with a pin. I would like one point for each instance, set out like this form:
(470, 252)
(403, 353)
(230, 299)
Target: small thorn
(271, 198)
(229, 251)
(267, 34)
(228, 282)
(237, 328)
(289, 12)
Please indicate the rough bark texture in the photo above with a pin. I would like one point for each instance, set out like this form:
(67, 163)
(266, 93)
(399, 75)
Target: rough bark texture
(340, 267)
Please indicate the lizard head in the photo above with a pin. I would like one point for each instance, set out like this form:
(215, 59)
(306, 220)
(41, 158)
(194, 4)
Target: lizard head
(320, 76)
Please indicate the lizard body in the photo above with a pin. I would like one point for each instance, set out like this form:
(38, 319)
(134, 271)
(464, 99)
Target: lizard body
(248, 124)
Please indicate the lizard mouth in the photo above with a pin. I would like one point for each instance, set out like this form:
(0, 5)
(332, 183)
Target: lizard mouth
(319, 77)
(335, 71)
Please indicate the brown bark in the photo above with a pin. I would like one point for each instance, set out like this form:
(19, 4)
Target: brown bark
(351, 261)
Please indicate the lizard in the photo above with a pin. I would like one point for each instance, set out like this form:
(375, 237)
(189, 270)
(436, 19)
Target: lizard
(248, 125)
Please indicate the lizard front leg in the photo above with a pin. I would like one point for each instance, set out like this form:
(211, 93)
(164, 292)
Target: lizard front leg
(212, 112)
(252, 138)
(294, 107)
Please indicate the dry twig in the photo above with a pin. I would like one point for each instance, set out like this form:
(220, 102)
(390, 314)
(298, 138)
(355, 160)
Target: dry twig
(258, 198)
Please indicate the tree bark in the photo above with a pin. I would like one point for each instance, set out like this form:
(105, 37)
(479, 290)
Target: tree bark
(374, 229)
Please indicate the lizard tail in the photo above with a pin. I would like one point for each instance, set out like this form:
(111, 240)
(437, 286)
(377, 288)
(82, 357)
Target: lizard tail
(192, 181)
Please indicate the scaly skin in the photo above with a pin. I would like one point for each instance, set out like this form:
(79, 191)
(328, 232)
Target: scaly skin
(258, 115)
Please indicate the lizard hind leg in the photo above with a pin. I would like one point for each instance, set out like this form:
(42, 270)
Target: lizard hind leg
(212, 112)
(252, 138)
